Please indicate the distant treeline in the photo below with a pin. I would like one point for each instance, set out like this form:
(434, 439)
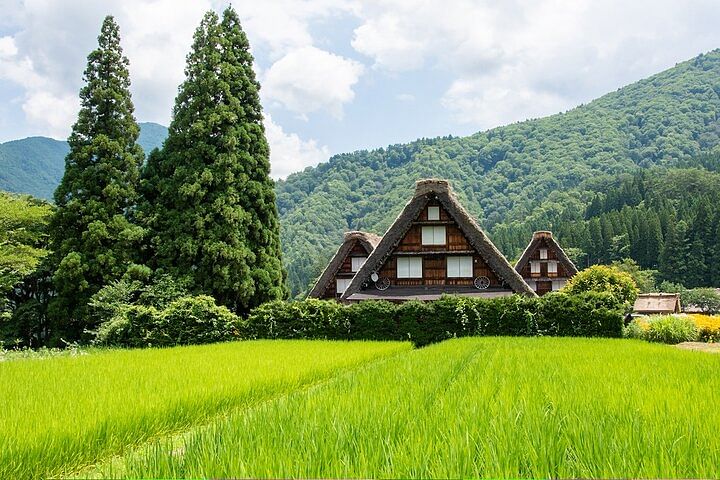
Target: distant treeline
(665, 219)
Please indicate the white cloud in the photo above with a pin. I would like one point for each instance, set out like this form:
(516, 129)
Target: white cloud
(7, 47)
(289, 153)
(308, 79)
(284, 25)
(405, 97)
(512, 60)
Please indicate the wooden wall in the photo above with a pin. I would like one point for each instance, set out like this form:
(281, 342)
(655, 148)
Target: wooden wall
(435, 263)
(345, 271)
(552, 255)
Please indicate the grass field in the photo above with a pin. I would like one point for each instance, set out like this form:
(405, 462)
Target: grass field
(488, 407)
(58, 414)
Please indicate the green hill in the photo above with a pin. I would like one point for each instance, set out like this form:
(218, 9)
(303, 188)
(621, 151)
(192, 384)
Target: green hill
(524, 172)
(35, 165)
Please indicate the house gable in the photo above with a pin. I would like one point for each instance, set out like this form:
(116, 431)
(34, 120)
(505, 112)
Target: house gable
(412, 263)
(544, 265)
(355, 245)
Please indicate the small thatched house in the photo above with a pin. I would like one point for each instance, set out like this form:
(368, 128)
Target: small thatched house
(434, 247)
(544, 265)
(344, 264)
(657, 304)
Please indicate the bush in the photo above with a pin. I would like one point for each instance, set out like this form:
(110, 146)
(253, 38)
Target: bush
(670, 329)
(706, 299)
(196, 320)
(132, 326)
(588, 314)
(311, 318)
(601, 278)
(373, 320)
(186, 321)
(137, 287)
(635, 329)
(708, 327)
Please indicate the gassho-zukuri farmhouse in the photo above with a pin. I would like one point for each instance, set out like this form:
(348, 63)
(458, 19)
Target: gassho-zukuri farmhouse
(435, 247)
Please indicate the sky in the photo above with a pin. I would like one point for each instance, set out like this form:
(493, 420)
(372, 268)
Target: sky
(343, 75)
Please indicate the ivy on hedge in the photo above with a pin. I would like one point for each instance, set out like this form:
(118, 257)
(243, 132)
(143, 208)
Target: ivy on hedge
(590, 314)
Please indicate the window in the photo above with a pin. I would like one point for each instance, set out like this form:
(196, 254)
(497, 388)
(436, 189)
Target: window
(433, 235)
(543, 254)
(433, 213)
(552, 267)
(535, 268)
(459, 267)
(357, 262)
(341, 285)
(409, 267)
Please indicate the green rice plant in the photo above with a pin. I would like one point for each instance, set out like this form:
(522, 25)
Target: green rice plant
(671, 329)
(468, 408)
(59, 414)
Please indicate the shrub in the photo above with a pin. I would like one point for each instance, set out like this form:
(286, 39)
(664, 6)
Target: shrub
(186, 321)
(311, 318)
(601, 278)
(635, 329)
(706, 299)
(708, 327)
(671, 329)
(374, 320)
(195, 320)
(137, 287)
(418, 322)
(587, 314)
(132, 326)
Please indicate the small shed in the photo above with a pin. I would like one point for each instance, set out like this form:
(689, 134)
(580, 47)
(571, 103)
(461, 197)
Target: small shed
(657, 304)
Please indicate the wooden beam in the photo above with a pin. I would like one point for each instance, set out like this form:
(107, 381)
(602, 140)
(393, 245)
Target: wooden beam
(435, 252)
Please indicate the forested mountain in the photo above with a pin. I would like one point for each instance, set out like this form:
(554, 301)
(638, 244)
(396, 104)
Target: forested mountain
(35, 165)
(525, 174)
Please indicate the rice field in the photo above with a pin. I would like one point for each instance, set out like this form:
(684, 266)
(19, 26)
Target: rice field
(60, 414)
(473, 407)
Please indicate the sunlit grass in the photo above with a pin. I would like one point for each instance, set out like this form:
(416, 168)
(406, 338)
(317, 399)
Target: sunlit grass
(489, 407)
(58, 414)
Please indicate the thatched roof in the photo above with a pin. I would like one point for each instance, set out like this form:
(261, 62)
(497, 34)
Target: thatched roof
(424, 191)
(368, 240)
(537, 238)
(657, 303)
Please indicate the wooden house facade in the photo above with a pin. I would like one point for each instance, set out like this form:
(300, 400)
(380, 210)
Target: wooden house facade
(343, 266)
(434, 247)
(544, 265)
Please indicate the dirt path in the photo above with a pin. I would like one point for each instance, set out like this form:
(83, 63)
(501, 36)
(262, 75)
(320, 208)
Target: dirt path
(700, 346)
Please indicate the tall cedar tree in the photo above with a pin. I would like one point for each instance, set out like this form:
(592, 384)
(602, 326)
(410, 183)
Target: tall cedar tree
(91, 236)
(210, 202)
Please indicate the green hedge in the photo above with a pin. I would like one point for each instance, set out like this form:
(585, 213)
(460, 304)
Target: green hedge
(185, 321)
(589, 314)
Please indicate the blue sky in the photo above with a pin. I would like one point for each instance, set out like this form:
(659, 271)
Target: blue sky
(341, 75)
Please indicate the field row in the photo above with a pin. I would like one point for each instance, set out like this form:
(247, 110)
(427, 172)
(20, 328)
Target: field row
(59, 414)
(488, 407)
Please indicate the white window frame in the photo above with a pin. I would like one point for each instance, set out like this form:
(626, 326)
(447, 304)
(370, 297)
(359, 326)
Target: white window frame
(434, 235)
(345, 282)
(552, 267)
(356, 263)
(543, 253)
(409, 267)
(534, 267)
(459, 267)
(433, 213)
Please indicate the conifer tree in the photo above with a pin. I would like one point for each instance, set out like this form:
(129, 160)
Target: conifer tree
(673, 260)
(91, 236)
(211, 208)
